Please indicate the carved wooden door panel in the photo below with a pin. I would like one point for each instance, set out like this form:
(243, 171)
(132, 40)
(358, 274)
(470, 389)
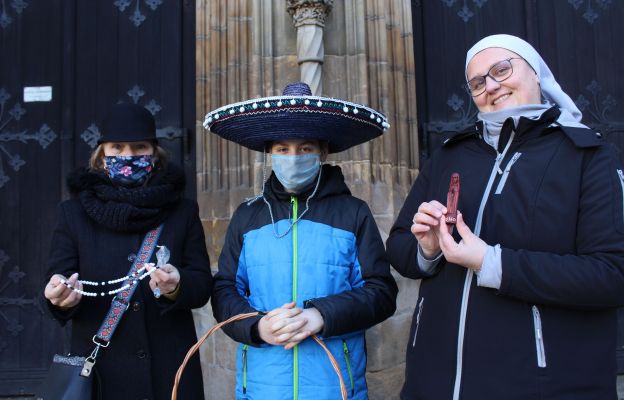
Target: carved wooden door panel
(63, 63)
(30, 160)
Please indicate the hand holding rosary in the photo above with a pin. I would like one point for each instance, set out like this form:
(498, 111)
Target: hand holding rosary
(162, 257)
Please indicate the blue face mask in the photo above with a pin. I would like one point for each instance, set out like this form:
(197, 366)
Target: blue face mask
(296, 172)
(129, 171)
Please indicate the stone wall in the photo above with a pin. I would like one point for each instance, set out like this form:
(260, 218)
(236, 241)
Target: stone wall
(247, 49)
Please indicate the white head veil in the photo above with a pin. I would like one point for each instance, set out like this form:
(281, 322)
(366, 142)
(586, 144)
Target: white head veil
(551, 91)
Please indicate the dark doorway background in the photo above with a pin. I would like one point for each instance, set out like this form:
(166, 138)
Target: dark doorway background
(580, 40)
(92, 53)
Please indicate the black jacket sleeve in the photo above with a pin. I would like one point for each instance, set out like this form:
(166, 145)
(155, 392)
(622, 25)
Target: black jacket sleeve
(593, 277)
(63, 260)
(371, 303)
(228, 299)
(195, 276)
(401, 245)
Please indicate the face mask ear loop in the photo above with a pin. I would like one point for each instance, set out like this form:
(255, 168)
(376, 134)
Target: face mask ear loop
(154, 160)
(251, 200)
(318, 181)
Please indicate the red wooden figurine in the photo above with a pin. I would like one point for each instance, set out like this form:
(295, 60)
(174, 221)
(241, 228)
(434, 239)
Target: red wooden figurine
(451, 200)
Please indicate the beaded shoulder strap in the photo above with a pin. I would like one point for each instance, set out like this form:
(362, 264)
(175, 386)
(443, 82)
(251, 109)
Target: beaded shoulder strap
(122, 299)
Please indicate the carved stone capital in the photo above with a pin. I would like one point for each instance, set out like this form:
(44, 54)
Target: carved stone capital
(309, 12)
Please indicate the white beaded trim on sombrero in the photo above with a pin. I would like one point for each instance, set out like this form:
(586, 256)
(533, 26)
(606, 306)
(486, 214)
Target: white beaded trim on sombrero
(311, 103)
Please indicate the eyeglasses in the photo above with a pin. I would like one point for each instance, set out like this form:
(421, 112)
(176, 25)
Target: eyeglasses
(499, 72)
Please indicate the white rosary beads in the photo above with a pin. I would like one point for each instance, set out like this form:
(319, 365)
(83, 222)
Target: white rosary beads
(135, 277)
(162, 257)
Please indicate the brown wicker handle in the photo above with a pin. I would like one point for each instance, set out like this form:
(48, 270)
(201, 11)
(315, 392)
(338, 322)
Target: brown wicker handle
(196, 346)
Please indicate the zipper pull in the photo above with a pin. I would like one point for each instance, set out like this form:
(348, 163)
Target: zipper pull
(538, 322)
(293, 201)
(245, 369)
(347, 358)
(499, 160)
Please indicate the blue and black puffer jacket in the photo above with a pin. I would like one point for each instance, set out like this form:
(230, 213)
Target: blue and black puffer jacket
(332, 259)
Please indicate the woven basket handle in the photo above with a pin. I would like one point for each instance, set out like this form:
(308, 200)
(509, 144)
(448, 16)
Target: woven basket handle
(196, 346)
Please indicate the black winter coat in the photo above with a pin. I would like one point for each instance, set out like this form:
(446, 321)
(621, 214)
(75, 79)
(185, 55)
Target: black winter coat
(555, 208)
(154, 334)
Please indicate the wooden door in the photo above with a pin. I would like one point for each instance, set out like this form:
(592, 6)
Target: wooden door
(77, 58)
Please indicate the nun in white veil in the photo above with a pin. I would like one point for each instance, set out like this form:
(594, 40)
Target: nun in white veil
(518, 299)
(550, 91)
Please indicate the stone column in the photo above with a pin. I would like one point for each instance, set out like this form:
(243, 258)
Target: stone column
(309, 19)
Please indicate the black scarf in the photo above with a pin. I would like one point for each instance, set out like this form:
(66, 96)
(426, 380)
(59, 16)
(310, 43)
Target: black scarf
(128, 210)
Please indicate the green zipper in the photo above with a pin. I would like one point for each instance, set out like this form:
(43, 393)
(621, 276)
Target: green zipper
(346, 353)
(294, 203)
(245, 347)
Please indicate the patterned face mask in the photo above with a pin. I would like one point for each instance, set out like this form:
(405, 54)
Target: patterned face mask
(129, 171)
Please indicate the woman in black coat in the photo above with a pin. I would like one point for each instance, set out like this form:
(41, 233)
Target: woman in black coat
(129, 190)
(519, 300)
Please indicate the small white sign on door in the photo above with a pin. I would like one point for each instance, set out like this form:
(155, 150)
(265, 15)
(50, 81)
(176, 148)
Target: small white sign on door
(37, 93)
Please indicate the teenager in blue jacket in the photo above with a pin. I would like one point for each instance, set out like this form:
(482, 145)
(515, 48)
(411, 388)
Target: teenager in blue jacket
(519, 302)
(305, 252)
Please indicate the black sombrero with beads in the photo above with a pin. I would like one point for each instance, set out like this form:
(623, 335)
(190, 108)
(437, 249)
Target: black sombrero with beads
(296, 114)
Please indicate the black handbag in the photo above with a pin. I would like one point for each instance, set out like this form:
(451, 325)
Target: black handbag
(74, 377)
(70, 378)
